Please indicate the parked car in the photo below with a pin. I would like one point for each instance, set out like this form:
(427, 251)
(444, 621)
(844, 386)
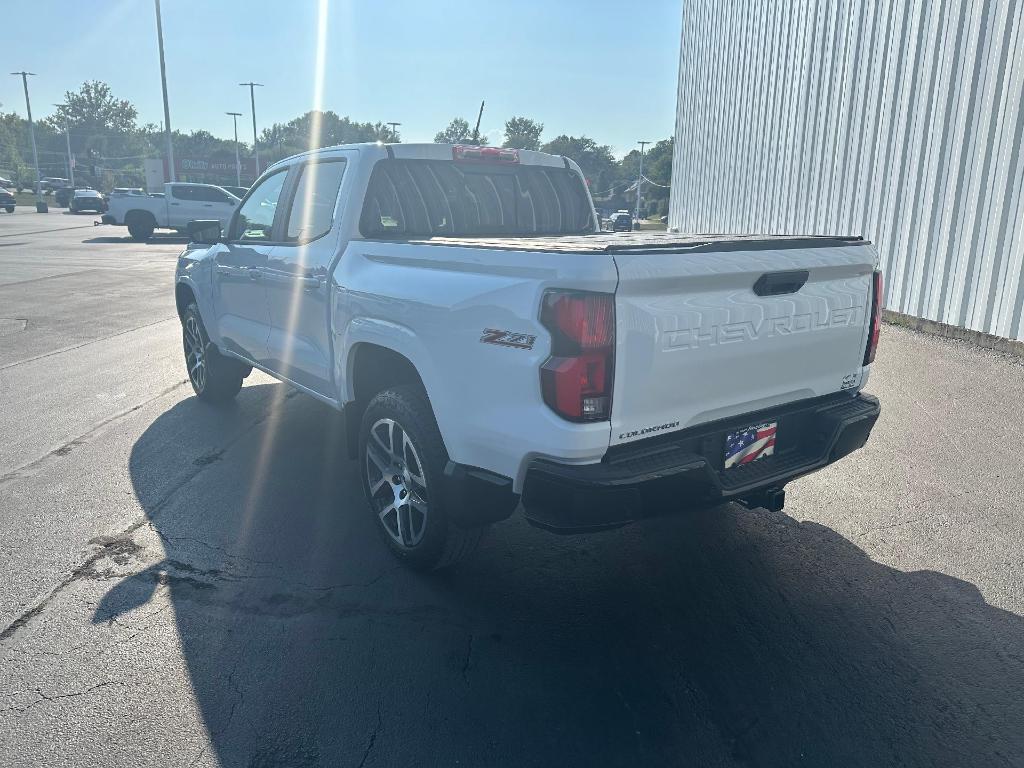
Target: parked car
(487, 353)
(619, 222)
(175, 208)
(238, 192)
(6, 183)
(87, 200)
(7, 200)
(51, 183)
(62, 197)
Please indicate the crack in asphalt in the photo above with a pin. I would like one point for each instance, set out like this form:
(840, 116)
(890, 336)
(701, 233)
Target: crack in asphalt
(85, 569)
(373, 737)
(63, 450)
(47, 231)
(122, 543)
(468, 660)
(58, 697)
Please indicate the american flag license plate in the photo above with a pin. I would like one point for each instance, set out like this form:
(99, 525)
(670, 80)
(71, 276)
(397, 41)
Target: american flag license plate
(750, 444)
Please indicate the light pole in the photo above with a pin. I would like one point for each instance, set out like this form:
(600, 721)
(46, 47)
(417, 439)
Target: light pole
(71, 160)
(394, 131)
(252, 104)
(40, 205)
(639, 180)
(163, 84)
(238, 163)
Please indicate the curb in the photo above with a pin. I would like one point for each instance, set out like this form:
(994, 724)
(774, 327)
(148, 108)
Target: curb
(934, 328)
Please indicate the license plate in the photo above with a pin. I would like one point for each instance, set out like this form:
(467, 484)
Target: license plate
(750, 444)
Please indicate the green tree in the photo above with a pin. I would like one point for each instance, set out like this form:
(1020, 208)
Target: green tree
(595, 160)
(458, 132)
(94, 108)
(317, 129)
(522, 133)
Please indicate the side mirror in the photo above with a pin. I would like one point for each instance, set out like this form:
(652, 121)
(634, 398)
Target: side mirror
(204, 232)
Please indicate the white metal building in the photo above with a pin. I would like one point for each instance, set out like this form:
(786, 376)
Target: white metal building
(900, 120)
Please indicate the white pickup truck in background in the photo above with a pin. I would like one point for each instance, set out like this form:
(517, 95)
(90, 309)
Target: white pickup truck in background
(490, 348)
(175, 208)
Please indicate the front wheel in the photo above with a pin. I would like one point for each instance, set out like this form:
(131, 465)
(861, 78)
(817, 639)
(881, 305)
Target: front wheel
(214, 377)
(10, 209)
(403, 459)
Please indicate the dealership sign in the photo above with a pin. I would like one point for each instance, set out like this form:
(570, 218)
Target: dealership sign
(190, 165)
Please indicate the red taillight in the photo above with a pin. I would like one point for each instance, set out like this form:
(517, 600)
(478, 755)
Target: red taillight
(576, 381)
(876, 318)
(492, 154)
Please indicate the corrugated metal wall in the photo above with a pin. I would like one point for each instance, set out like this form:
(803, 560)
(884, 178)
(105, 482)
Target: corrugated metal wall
(900, 121)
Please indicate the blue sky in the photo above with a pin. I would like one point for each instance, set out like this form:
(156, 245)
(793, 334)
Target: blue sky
(601, 68)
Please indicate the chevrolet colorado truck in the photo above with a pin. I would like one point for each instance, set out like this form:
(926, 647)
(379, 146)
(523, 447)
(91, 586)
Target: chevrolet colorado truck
(175, 208)
(492, 350)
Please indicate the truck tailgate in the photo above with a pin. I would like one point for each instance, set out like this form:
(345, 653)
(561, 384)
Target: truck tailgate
(698, 338)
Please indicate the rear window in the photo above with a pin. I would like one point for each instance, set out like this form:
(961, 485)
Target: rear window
(424, 198)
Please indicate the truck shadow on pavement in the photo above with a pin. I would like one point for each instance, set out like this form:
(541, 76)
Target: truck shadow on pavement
(154, 240)
(729, 637)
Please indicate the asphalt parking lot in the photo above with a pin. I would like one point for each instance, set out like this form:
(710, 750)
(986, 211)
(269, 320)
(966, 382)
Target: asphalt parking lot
(186, 586)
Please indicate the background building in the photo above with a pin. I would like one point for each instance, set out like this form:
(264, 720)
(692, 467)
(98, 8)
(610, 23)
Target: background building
(900, 120)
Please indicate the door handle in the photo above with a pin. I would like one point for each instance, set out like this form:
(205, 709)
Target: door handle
(175, 203)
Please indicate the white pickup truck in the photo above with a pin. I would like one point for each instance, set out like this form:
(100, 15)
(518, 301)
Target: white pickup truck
(175, 208)
(490, 348)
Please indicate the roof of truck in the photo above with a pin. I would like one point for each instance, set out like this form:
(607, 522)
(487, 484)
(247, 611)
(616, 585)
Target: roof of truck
(430, 151)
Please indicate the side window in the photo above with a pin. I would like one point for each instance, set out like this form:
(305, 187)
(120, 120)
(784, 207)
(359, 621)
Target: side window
(210, 195)
(255, 219)
(316, 196)
(182, 192)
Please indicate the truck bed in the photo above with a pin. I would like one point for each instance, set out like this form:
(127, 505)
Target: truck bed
(641, 242)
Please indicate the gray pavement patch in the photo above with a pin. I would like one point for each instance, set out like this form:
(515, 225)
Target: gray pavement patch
(9, 325)
(36, 464)
(85, 343)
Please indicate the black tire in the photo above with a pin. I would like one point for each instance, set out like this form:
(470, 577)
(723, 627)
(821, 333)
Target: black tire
(440, 542)
(10, 209)
(214, 377)
(140, 225)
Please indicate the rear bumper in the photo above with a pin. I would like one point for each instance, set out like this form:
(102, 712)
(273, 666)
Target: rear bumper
(685, 469)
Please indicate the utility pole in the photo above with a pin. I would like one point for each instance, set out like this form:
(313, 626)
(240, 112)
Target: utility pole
(639, 181)
(394, 131)
(163, 83)
(476, 131)
(252, 103)
(40, 205)
(238, 163)
(71, 159)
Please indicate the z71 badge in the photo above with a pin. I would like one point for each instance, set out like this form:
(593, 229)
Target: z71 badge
(508, 339)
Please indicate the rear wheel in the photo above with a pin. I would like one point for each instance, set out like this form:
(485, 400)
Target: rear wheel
(10, 209)
(140, 225)
(403, 458)
(214, 377)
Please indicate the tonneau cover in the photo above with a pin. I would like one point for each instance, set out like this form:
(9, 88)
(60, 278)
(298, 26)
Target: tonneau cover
(638, 242)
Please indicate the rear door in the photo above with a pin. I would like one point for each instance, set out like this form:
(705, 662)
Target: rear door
(213, 203)
(183, 205)
(297, 275)
(240, 293)
(706, 334)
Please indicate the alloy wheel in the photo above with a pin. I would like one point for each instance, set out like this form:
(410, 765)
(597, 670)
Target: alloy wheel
(397, 482)
(195, 353)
